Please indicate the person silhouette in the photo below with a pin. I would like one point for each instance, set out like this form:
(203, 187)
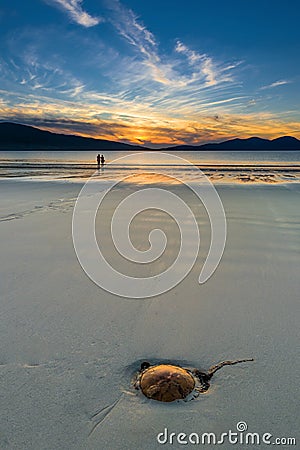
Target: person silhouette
(98, 160)
(102, 160)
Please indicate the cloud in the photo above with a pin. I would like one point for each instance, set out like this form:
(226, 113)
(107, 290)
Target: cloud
(74, 9)
(121, 121)
(128, 26)
(143, 78)
(74, 91)
(146, 96)
(205, 66)
(141, 94)
(32, 73)
(142, 41)
(275, 84)
(158, 77)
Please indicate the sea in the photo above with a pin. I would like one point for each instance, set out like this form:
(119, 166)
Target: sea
(245, 167)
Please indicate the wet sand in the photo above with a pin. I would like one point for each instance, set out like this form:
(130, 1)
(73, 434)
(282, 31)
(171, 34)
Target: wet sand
(70, 349)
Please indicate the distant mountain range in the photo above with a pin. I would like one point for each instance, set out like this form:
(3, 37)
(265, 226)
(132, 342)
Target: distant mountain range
(253, 143)
(15, 136)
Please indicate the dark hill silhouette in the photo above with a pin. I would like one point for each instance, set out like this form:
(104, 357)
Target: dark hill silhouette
(14, 136)
(287, 142)
(253, 143)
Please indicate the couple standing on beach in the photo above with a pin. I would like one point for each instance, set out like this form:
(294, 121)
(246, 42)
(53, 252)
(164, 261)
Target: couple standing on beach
(100, 159)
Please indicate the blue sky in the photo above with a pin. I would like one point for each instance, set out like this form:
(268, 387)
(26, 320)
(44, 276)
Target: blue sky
(154, 73)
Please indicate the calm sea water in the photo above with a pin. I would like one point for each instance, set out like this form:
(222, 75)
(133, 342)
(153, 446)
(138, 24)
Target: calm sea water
(221, 167)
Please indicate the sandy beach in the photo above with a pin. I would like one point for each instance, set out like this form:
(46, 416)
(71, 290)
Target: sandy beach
(69, 349)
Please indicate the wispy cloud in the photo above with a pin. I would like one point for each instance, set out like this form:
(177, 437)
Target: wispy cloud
(122, 121)
(34, 74)
(130, 28)
(201, 62)
(275, 84)
(142, 94)
(142, 41)
(205, 68)
(144, 78)
(76, 13)
(180, 74)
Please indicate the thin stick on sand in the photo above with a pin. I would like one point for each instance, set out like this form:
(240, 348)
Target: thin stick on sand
(218, 366)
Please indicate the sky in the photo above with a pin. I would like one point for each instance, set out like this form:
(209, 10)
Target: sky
(153, 73)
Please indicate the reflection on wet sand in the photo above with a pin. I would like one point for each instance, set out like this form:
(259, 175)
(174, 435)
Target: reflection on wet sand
(260, 172)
